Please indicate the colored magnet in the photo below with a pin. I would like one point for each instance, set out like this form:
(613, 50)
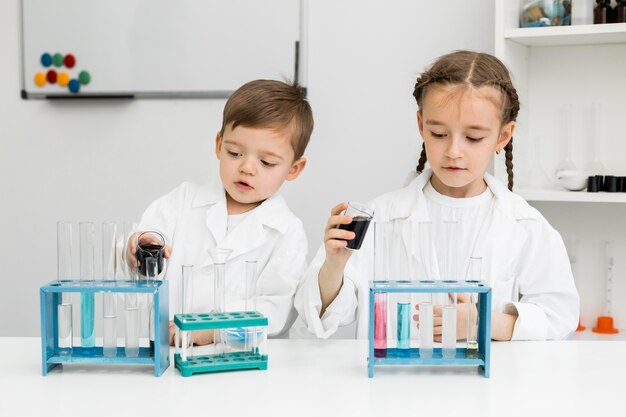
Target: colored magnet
(84, 77)
(69, 61)
(63, 79)
(46, 59)
(40, 79)
(57, 60)
(51, 76)
(74, 85)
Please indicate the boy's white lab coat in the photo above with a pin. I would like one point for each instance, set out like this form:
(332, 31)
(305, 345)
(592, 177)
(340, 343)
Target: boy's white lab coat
(194, 220)
(524, 260)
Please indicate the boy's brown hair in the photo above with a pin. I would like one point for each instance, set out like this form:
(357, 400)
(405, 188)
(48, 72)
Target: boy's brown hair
(271, 104)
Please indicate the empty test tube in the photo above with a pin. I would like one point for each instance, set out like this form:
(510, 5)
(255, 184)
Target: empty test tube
(380, 325)
(250, 334)
(64, 272)
(186, 308)
(474, 273)
(426, 329)
(109, 304)
(219, 257)
(449, 328)
(131, 310)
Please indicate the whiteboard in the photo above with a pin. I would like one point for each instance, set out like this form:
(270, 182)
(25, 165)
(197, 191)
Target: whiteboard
(159, 48)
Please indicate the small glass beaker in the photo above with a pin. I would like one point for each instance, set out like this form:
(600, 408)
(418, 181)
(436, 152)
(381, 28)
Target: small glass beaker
(539, 13)
(150, 244)
(361, 217)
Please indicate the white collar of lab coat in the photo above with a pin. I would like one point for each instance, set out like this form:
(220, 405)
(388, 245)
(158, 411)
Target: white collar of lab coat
(404, 205)
(269, 213)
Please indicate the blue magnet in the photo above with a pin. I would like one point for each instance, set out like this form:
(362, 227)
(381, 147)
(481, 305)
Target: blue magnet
(74, 85)
(46, 59)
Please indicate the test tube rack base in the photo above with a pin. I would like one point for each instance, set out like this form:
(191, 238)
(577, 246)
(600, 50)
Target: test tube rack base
(50, 298)
(412, 356)
(228, 361)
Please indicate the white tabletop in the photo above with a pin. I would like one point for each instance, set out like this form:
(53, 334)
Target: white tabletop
(327, 378)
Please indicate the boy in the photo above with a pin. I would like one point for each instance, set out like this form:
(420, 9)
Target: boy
(265, 129)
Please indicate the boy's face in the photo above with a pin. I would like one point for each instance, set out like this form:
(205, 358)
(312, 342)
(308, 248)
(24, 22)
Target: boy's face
(461, 129)
(254, 163)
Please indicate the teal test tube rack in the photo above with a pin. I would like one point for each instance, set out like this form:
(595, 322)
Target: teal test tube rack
(255, 358)
(411, 356)
(50, 298)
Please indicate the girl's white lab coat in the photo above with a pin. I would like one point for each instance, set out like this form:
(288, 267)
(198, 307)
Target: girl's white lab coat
(194, 220)
(524, 260)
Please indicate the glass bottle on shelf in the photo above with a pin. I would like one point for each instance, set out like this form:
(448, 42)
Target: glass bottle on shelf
(620, 11)
(603, 13)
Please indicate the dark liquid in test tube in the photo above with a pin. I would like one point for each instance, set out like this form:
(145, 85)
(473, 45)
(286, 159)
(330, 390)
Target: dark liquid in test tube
(359, 226)
(149, 251)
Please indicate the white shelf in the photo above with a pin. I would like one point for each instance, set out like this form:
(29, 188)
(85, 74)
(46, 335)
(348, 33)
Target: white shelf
(571, 196)
(568, 35)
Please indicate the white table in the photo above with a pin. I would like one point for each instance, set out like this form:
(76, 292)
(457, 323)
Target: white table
(327, 378)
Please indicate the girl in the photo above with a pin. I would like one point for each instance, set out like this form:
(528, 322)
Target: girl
(467, 107)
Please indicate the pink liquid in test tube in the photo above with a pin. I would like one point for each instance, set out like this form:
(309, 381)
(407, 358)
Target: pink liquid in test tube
(380, 325)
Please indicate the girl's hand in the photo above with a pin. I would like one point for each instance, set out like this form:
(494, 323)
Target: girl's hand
(335, 239)
(462, 317)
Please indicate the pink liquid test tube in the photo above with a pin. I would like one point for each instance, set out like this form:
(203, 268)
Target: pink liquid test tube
(380, 325)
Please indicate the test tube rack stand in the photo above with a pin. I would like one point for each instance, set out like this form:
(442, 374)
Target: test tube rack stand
(228, 361)
(50, 297)
(393, 357)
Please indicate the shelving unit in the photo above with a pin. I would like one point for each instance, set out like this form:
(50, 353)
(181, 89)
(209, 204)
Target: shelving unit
(575, 65)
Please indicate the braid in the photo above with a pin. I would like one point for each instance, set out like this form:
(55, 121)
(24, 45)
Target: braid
(422, 161)
(508, 153)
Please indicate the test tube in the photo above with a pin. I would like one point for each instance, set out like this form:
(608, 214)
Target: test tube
(474, 273)
(64, 272)
(250, 334)
(87, 254)
(131, 301)
(186, 308)
(380, 325)
(109, 305)
(448, 311)
(404, 324)
(219, 257)
(152, 272)
(426, 329)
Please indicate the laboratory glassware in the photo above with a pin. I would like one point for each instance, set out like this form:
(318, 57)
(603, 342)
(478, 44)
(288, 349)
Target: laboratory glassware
(361, 217)
(109, 304)
(186, 307)
(64, 272)
(474, 273)
(426, 329)
(404, 324)
(448, 308)
(87, 256)
(150, 244)
(131, 300)
(219, 257)
(596, 167)
(251, 296)
(605, 321)
(380, 325)
(152, 271)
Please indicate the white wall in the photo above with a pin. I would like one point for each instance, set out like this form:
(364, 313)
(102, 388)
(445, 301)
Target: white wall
(106, 160)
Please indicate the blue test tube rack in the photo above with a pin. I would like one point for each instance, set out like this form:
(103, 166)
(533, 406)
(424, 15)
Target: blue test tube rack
(393, 357)
(50, 297)
(228, 361)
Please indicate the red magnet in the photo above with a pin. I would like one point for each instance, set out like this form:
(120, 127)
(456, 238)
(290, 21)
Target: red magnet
(51, 76)
(69, 61)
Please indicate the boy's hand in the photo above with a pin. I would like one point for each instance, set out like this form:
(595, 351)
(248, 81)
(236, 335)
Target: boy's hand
(201, 337)
(335, 239)
(131, 249)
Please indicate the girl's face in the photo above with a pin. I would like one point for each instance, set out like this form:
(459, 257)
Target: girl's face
(461, 129)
